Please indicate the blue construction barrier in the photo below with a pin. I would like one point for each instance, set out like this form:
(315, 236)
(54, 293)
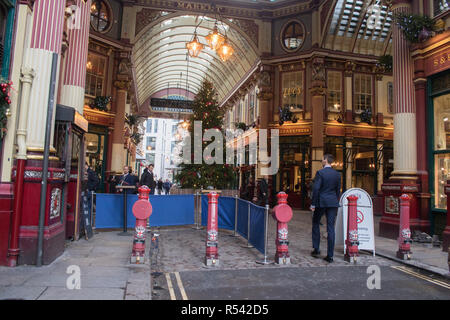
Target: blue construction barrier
(168, 210)
(226, 214)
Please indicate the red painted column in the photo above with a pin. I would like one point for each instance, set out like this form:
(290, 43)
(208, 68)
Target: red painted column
(423, 197)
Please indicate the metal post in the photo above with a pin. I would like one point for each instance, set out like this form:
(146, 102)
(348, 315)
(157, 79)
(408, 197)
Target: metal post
(248, 229)
(48, 131)
(92, 210)
(125, 230)
(235, 216)
(197, 211)
(266, 223)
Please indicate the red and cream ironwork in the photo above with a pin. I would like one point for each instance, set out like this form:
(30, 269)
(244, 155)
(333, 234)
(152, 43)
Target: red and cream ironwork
(283, 214)
(212, 247)
(404, 237)
(351, 242)
(142, 210)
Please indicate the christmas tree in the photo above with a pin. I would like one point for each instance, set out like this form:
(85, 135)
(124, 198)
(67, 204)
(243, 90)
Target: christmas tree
(219, 176)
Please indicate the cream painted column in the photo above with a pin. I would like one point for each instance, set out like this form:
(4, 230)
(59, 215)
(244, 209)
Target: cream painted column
(72, 92)
(118, 151)
(22, 42)
(405, 146)
(46, 40)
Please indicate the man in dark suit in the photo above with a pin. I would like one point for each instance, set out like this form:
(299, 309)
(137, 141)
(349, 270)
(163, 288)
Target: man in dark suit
(325, 200)
(148, 179)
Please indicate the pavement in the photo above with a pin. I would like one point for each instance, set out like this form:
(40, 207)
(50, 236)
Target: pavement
(106, 273)
(104, 269)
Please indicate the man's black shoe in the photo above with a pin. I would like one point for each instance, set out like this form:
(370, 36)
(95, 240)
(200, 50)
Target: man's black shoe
(315, 253)
(328, 259)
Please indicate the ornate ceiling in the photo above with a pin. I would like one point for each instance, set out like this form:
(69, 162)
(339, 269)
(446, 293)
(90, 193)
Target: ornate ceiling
(160, 57)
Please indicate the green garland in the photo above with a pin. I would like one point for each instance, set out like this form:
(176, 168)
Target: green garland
(5, 103)
(416, 28)
(101, 103)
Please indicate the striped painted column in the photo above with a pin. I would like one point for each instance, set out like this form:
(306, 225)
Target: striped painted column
(405, 146)
(72, 91)
(45, 40)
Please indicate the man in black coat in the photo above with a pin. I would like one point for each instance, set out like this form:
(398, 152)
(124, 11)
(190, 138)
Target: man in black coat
(263, 191)
(325, 200)
(93, 180)
(147, 179)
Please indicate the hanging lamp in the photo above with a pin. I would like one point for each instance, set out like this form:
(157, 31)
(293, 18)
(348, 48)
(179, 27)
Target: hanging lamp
(225, 51)
(215, 39)
(194, 47)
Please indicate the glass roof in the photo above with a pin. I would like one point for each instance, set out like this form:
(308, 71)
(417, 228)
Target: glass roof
(161, 61)
(361, 27)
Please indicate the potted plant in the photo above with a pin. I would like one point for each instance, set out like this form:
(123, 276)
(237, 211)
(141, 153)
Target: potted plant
(5, 102)
(101, 103)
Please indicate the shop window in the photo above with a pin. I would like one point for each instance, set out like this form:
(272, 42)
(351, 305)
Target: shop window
(95, 152)
(101, 16)
(292, 36)
(362, 92)
(292, 91)
(442, 122)
(441, 174)
(440, 6)
(334, 85)
(441, 106)
(95, 75)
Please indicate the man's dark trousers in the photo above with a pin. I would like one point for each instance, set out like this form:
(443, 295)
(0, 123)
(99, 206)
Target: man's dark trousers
(331, 214)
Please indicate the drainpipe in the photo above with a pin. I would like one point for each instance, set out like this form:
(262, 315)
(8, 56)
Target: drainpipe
(27, 80)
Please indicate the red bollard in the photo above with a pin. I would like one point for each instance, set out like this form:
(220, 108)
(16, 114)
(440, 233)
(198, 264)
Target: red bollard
(142, 210)
(283, 214)
(351, 243)
(212, 250)
(404, 237)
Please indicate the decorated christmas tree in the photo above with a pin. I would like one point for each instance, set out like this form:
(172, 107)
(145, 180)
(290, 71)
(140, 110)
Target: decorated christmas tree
(202, 176)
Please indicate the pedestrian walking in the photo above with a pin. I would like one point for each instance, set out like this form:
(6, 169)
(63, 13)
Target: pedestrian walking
(325, 200)
(160, 186)
(167, 185)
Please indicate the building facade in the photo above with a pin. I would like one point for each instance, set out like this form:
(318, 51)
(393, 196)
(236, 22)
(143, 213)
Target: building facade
(332, 76)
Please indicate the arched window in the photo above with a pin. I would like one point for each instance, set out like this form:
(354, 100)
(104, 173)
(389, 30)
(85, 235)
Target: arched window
(292, 36)
(101, 16)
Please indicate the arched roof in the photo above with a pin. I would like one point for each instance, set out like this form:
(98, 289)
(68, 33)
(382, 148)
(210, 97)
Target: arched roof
(360, 26)
(160, 56)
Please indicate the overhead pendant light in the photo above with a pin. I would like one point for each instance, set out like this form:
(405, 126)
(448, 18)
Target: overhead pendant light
(215, 39)
(194, 47)
(225, 51)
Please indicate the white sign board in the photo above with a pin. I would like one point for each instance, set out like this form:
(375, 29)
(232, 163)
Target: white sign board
(366, 233)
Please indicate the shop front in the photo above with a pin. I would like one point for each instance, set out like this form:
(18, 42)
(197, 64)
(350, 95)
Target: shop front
(294, 175)
(98, 144)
